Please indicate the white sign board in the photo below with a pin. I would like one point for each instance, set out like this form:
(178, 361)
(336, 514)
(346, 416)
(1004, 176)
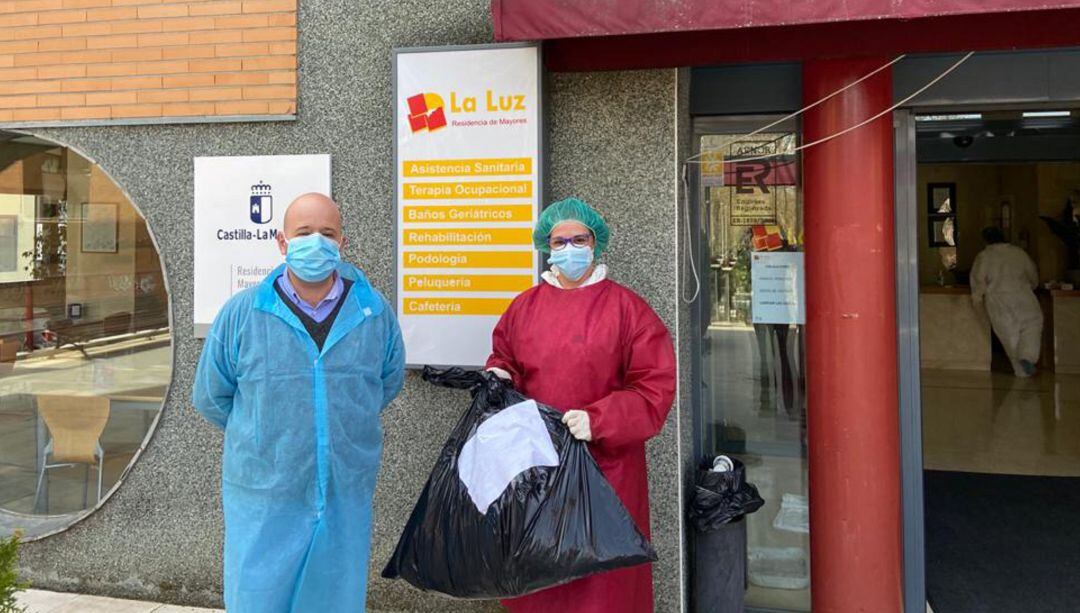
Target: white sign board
(779, 288)
(467, 162)
(239, 205)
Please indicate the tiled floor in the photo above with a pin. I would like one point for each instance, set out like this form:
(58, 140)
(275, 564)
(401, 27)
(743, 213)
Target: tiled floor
(996, 423)
(989, 422)
(40, 601)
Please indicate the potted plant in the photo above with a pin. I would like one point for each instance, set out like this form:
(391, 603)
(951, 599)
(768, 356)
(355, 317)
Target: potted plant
(9, 577)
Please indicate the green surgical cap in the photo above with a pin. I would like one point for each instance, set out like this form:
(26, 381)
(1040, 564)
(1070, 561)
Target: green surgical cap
(571, 209)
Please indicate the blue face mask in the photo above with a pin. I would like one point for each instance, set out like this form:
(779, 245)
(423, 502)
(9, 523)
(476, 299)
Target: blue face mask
(313, 257)
(572, 261)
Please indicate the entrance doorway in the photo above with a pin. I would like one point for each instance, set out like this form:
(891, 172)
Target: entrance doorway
(995, 256)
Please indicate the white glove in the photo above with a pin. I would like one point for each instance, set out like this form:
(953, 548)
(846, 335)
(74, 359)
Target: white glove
(578, 422)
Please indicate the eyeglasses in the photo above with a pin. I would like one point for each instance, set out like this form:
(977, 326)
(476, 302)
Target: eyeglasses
(558, 242)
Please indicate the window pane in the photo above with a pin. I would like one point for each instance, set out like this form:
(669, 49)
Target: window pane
(85, 346)
(753, 400)
(9, 243)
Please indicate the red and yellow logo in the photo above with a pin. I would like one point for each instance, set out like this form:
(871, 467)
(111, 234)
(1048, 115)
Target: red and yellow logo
(767, 238)
(426, 112)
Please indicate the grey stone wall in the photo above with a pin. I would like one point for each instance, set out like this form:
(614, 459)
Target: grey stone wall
(613, 142)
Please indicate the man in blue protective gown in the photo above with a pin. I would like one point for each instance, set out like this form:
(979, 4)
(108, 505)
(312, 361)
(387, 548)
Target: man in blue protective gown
(296, 371)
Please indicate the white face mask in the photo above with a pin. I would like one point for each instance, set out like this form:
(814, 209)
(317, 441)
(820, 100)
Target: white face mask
(573, 262)
(313, 257)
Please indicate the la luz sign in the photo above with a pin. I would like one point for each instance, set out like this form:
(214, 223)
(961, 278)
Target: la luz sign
(468, 192)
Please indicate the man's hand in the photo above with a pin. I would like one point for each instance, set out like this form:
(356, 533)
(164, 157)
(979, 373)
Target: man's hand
(578, 422)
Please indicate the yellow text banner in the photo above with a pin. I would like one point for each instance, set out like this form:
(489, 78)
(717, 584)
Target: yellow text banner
(467, 168)
(467, 190)
(468, 214)
(467, 259)
(467, 283)
(469, 236)
(455, 306)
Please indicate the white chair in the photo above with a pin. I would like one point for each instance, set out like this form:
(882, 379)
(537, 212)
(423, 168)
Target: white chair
(75, 424)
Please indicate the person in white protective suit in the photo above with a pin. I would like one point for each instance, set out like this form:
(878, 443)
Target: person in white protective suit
(1003, 278)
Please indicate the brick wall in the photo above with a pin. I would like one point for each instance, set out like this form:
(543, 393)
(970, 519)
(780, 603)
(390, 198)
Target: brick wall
(103, 60)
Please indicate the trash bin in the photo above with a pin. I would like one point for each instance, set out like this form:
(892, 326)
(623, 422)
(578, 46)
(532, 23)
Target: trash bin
(718, 506)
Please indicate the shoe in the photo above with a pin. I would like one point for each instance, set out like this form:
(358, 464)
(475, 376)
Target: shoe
(1028, 367)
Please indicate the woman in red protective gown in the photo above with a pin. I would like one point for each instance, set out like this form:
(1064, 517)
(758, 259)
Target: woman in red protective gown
(596, 351)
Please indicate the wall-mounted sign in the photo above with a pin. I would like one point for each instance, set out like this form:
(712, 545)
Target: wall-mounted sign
(239, 203)
(467, 128)
(779, 288)
(756, 176)
(752, 202)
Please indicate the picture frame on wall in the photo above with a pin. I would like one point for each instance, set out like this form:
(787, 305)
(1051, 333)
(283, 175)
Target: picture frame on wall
(941, 214)
(941, 198)
(100, 227)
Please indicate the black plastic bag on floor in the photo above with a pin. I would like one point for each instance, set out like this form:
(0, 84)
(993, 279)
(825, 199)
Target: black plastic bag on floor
(513, 505)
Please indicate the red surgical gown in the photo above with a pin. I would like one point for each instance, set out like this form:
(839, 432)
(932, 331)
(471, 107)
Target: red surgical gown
(602, 349)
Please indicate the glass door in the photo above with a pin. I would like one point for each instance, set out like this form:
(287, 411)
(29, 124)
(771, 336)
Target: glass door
(750, 397)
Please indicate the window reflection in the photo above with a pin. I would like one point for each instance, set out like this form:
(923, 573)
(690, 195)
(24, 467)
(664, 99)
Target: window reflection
(753, 375)
(85, 346)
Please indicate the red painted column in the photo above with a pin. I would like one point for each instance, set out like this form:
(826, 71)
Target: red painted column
(852, 420)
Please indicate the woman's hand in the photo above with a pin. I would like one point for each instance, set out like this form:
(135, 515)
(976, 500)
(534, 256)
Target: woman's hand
(578, 422)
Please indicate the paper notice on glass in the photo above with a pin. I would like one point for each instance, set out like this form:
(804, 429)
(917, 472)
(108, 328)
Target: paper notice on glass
(779, 288)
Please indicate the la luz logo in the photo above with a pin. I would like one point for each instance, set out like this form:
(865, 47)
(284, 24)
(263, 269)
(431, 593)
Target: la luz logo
(261, 204)
(426, 112)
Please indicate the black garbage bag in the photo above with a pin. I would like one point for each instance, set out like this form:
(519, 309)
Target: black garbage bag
(526, 530)
(718, 505)
(722, 497)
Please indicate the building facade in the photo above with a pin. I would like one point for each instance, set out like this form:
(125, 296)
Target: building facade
(636, 99)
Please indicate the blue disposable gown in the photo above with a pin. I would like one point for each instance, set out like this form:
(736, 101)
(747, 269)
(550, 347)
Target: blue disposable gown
(303, 441)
